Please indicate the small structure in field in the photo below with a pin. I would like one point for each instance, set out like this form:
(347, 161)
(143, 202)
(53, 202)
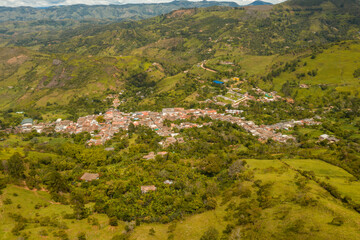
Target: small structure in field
(218, 82)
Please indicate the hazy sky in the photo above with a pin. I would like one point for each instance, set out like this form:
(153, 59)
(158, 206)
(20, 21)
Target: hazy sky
(46, 3)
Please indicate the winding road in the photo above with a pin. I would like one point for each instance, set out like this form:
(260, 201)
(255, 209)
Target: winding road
(207, 69)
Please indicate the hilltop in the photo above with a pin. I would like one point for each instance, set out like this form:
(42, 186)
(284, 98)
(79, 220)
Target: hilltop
(259, 3)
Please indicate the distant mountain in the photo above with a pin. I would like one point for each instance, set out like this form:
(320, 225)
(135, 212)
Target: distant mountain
(102, 12)
(259, 3)
(312, 3)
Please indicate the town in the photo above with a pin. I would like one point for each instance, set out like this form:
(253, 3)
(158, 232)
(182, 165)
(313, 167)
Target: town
(103, 126)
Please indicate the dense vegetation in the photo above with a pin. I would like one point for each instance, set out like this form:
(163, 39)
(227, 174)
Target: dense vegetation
(208, 167)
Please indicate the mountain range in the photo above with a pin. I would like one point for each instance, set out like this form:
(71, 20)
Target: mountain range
(102, 12)
(106, 12)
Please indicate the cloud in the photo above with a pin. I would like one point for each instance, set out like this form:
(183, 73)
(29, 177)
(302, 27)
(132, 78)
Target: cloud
(47, 3)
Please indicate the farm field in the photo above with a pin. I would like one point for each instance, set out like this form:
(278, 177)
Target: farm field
(338, 177)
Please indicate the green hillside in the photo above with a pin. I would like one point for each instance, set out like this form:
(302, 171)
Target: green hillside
(258, 39)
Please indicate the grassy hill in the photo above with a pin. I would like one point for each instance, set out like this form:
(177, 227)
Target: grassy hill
(333, 69)
(290, 205)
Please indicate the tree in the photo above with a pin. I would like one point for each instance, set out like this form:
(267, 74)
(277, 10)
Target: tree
(56, 183)
(77, 199)
(131, 129)
(211, 165)
(236, 168)
(100, 119)
(356, 73)
(16, 166)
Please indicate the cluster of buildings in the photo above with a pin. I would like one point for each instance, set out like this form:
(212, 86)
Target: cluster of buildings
(235, 98)
(292, 123)
(88, 177)
(103, 126)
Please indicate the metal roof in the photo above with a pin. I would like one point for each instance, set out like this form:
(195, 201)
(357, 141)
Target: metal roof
(27, 121)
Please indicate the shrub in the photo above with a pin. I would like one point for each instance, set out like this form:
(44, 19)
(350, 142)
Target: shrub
(210, 203)
(93, 221)
(356, 73)
(81, 236)
(337, 221)
(151, 231)
(123, 236)
(61, 234)
(130, 226)
(38, 206)
(297, 226)
(43, 233)
(113, 221)
(210, 234)
(7, 201)
(17, 228)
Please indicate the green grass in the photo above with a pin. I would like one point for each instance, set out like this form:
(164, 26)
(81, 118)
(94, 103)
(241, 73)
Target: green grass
(335, 67)
(316, 217)
(191, 227)
(28, 199)
(334, 175)
(169, 83)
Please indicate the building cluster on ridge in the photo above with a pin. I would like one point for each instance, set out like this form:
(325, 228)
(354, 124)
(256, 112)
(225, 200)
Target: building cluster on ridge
(236, 98)
(113, 121)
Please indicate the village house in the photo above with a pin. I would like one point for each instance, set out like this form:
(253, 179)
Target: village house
(168, 182)
(304, 86)
(27, 122)
(88, 177)
(330, 139)
(149, 156)
(145, 189)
